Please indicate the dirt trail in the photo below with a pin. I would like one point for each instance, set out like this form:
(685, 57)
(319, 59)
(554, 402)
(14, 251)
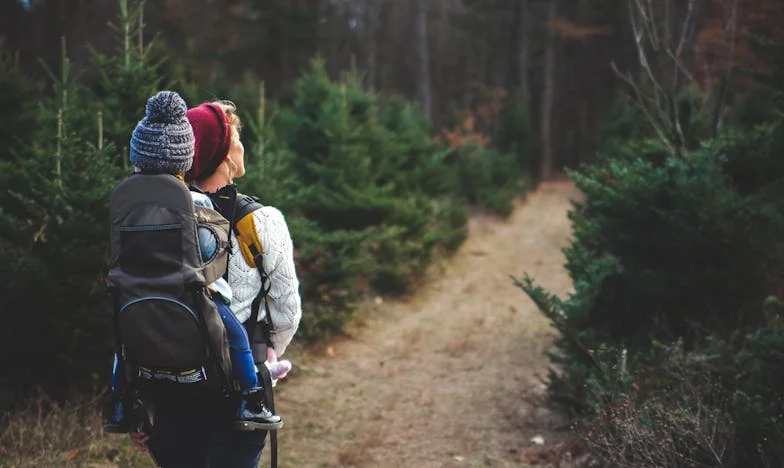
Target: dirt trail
(438, 379)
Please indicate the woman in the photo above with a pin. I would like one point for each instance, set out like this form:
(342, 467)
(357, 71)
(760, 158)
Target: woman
(181, 427)
(218, 160)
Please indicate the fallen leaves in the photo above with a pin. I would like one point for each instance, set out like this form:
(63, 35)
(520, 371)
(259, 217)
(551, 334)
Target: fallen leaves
(72, 454)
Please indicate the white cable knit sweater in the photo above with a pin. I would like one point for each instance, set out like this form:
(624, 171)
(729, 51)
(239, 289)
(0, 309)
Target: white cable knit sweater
(284, 301)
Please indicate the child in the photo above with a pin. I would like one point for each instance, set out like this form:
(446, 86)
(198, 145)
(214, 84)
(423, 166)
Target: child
(163, 142)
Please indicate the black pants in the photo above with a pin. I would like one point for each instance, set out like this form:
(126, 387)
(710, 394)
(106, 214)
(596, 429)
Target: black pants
(199, 435)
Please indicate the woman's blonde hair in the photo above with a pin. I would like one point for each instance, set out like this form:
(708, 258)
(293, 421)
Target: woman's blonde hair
(230, 109)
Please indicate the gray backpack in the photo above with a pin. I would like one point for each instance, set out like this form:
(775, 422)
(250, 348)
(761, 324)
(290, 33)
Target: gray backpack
(167, 328)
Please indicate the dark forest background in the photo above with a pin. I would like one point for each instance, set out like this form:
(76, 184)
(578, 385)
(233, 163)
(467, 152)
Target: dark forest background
(377, 126)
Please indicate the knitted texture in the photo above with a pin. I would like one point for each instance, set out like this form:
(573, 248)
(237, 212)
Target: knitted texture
(213, 139)
(163, 140)
(284, 301)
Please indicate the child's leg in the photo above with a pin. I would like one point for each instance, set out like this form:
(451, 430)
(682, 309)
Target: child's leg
(242, 365)
(116, 390)
(116, 422)
(251, 412)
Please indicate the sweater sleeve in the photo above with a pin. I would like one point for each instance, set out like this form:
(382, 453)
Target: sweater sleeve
(283, 298)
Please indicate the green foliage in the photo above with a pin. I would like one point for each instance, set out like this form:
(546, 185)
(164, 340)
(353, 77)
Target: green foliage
(625, 123)
(125, 80)
(18, 110)
(753, 161)
(358, 177)
(658, 253)
(487, 161)
(369, 195)
(773, 53)
(628, 129)
(675, 248)
(750, 373)
(486, 177)
(328, 265)
(451, 224)
(514, 134)
(54, 231)
(660, 249)
(666, 248)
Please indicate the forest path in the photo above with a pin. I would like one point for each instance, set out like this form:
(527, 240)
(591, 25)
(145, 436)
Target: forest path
(439, 379)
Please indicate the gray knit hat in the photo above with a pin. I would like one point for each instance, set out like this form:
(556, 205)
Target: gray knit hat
(163, 140)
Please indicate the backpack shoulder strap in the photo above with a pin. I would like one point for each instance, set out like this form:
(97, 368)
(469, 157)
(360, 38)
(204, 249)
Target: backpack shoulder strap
(252, 251)
(244, 226)
(238, 209)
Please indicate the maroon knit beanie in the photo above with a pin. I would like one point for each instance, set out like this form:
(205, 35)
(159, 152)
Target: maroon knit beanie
(213, 137)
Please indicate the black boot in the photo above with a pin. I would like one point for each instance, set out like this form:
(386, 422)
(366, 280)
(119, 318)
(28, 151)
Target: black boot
(122, 421)
(253, 414)
(117, 423)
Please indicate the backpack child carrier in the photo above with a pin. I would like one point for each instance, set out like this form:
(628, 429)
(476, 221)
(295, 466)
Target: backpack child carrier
(168, 330)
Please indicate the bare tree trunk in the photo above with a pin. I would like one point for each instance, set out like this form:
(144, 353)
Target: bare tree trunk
(10, 15)
(370, 45)
(663, 71)
(584, 136)
(546, 163)
(422, 57)
(523, 44)
(518, 59)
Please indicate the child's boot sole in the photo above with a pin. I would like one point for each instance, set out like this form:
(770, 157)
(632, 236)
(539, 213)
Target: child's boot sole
(257, 426)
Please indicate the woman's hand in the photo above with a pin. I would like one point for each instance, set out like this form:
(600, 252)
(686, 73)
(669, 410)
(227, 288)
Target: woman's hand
(271, 356)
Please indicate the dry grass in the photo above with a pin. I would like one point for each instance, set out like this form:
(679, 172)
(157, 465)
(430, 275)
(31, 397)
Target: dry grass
(459, 347)
(46, 433)
(358, 452)
(663, 432)
(683, 421)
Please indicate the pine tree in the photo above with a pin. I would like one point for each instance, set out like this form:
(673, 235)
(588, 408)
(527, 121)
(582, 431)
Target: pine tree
(53, 222)
(18, 110)
(127, 78)
(54, 233)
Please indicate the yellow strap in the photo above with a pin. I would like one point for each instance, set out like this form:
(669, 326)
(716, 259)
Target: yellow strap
(247, 236)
